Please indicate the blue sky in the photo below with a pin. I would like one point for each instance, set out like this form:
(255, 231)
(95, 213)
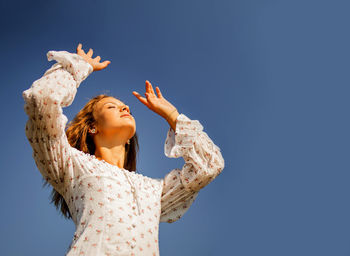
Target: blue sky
(268, 80)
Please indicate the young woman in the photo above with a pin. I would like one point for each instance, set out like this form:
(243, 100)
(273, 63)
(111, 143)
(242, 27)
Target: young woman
(91, 166)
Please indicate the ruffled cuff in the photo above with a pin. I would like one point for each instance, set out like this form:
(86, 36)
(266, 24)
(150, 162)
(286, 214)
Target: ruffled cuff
(177, 142)
(73, 63)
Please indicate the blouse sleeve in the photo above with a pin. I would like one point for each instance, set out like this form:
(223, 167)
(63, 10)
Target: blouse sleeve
(203, 162)
(45, 128)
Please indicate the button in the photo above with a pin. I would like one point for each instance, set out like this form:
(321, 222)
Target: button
(133, 207)
(133, 225)
(133, 245)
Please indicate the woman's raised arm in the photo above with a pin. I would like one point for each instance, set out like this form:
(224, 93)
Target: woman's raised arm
(45, 128)
(185, 138)
(203, 163)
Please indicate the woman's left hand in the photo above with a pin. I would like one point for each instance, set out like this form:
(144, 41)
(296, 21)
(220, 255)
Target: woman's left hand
(158, 104)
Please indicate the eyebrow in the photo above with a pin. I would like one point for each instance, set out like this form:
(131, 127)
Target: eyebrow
(113, 103)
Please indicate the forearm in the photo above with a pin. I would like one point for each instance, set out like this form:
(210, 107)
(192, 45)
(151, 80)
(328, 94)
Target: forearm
(203, 159)
(54, 90)
(171, 119)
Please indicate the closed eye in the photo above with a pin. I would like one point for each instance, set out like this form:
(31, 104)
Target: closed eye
(111, 107)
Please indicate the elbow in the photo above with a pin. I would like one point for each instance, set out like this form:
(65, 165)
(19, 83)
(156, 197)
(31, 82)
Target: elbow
(221, 162)
(196, 175)
(34, 94)
(214, 169)
(27, 94)
(40, 96)
(217, 165)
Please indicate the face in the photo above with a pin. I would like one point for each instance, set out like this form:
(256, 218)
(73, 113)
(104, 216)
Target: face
(114, 119)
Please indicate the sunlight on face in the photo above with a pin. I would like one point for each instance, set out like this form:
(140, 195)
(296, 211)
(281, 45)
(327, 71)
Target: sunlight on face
(112, 115)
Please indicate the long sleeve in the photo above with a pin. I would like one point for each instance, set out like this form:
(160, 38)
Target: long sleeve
(45, 128)
(203, 162)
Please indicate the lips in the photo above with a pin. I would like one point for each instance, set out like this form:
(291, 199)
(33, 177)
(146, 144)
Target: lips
(125, 115)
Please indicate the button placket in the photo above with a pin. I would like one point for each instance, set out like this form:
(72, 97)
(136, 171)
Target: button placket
(133, 242)
(133, 190)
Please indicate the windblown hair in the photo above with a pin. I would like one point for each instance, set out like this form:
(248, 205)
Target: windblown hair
(79, 138)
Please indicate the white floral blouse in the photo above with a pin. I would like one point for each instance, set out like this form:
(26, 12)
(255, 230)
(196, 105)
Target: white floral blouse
(115, 211)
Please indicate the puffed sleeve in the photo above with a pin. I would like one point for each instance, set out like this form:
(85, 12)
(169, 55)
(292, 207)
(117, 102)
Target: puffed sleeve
(45, 128)
(203, 162)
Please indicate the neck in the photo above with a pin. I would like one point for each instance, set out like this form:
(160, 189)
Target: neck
(114, 155)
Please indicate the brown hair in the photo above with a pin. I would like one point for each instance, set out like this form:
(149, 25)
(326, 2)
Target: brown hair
(79, 138)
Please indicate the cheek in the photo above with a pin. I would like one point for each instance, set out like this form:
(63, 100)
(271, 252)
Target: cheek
(108, 119)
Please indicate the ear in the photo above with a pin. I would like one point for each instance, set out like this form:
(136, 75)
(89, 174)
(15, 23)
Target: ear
(93, 130)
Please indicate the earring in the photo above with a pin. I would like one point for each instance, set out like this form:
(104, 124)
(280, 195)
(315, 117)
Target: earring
(128, 142)
(93, 130)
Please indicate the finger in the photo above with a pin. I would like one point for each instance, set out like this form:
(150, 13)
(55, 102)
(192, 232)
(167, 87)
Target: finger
(81, 51)
(106, 63)
(149, 88)
(142, 99)
(98, 58)
(103, 65)
(79, 47)
(90, 52)
(160, 95)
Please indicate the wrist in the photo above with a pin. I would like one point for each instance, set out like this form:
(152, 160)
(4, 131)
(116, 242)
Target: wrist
(171, 118)
(171, 114)
(87, 61)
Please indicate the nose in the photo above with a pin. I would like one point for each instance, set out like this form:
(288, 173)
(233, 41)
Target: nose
(125, 108)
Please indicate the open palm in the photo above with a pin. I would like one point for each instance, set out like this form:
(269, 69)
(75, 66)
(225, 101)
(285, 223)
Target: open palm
(94, 62)
(158, 104)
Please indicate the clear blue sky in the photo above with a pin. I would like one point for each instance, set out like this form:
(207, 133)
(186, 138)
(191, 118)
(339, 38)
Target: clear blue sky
(269, 81)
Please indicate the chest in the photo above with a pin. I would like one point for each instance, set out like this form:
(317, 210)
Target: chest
(115, 195)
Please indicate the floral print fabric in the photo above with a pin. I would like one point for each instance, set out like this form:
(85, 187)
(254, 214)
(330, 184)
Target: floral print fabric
(116, 212)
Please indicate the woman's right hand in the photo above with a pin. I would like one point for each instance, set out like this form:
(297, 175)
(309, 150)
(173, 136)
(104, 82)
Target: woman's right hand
(95, 62)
